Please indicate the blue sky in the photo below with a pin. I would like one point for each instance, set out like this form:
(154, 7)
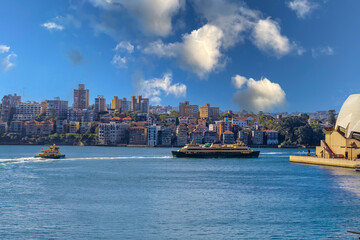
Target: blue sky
(292, 55)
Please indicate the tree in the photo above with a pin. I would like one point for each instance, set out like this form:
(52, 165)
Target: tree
(331, 118)
(174, 113)
(264, 118)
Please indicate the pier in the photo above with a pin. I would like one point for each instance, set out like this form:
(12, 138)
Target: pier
(335, 162)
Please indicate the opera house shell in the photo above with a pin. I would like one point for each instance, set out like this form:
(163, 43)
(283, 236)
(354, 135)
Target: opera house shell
(343, 141)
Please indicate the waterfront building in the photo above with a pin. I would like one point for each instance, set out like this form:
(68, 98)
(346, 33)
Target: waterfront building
(244, 137)
(223, 126)
(165, 135)
(228, 137)
(61, 126)
(31, 128)
(210, 137)
(187, 110)
(112, 133)
(46, 127)
(209, 113)
(138, 135)
(100, 104)
(257, 137)
(16, 127)
(181, 135)
(9, 103)
(196, 136)
(74, 127)
(272, 137)
(81, 97)
(240, 121)
(26, 111)
(3, 127)
(153, 135)
(213, 127)
(343, 140)
(56, 108)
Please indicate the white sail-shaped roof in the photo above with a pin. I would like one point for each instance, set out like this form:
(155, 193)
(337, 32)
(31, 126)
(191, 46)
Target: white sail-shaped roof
(349, 115)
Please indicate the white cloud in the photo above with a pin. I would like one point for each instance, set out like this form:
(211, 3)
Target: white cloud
(267, 37)
(259, 95)
(328, 51)
(7, 61)
(302, 8)
(238, 81)
(199, 51)
(154, 88)
(52, 26)
(4, 48)
(154, 16)
(119, 62)
(124, 45)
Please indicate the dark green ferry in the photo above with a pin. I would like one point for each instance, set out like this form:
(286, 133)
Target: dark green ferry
(215, 151)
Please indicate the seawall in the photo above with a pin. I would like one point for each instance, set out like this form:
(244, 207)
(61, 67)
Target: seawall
(336, 162)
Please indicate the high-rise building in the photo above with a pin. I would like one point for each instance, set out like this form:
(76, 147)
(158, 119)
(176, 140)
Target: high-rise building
(81, 97)
(187, 110)
(139, 104)
(100, 104)
(115, 103)
(125, 105)
(27, 111)
(56, 108)
(209, 113)
(9, 104)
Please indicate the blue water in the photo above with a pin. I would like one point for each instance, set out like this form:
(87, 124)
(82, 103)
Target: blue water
(144, 193)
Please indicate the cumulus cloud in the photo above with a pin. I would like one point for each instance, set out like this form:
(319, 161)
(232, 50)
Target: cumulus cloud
(267, 37)
(238, 81)
(4, 48)
(119, 62)
(261, 95)
(7, 61)
(199, 51)
(52, 26)
(154, 17)
(154, 88)
(302, 8)
(75, 57)
(328, 51)
(124, 46)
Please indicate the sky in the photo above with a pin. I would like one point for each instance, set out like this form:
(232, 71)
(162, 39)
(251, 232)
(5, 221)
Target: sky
(255, 55)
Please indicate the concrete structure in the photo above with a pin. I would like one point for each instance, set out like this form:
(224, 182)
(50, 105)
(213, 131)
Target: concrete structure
(84, 127)
(27, 111)
(3, 127)
(187, 110)
(244, 137)
(100, 104)
(115, 103)
(81, 97)
(181, 135)
(272, 137)
(8, 107)
(165, 136)
(46, 128)
(61, 126)
(16, 127)
(138, 136)
(209, 113)
(341, 146)
(31, 128)
(210, 137)
(112, 133)
(153, 136)
(139, 104)
(56, 108)
(228, 138)
(257, 137)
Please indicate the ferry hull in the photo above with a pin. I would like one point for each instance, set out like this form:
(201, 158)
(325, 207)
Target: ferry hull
(51, 157)
(253, 154)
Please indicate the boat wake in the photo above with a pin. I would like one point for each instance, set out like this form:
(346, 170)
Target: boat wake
(6, 161)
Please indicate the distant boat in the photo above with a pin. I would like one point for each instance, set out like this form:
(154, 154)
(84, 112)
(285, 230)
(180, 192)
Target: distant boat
(53, 153)
(215, 151)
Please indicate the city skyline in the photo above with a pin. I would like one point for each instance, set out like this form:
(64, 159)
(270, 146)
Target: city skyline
(253, 55)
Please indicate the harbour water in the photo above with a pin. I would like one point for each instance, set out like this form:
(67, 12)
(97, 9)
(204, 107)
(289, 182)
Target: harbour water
(144, 193)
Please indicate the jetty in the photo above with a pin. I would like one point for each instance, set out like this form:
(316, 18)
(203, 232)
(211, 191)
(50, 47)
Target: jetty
(341, 146)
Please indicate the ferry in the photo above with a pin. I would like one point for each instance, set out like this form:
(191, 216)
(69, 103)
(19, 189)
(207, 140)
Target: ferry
(53, 152)
(238, 150)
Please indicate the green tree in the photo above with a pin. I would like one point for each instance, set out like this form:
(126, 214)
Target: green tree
(331, 118)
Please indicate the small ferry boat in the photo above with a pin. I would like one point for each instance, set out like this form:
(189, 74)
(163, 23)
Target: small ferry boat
(215, 151)
(53, 152)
